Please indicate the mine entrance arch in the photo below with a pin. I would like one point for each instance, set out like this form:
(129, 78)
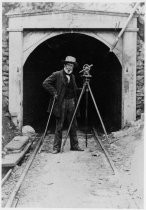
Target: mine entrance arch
(106, 82)
(27, 32)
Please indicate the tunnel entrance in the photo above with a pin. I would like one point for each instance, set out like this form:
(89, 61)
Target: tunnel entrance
(106, 81)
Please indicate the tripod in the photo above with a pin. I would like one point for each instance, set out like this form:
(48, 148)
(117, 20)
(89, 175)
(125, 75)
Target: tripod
(86, 86)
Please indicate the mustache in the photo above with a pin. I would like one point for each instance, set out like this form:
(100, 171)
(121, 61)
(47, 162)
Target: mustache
(68, 72)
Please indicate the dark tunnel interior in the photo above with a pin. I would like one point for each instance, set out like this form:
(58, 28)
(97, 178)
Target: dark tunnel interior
(105, 82)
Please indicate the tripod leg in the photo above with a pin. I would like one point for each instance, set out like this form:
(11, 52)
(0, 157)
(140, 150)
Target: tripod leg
(86, 114)
(98, 112)
(63, 144)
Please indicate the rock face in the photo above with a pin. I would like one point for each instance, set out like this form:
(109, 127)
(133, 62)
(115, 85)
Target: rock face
(44, 6)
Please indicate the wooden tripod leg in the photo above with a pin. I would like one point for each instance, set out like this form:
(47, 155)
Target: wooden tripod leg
(98, 112)
(63, 144)
(86, 116)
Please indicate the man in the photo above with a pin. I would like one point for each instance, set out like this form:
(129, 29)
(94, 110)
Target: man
(62, 86)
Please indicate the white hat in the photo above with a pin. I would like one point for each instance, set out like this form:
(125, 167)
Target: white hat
(70, 59)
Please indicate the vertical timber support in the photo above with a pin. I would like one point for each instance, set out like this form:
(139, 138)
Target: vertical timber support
(129, 78)
(16, 77)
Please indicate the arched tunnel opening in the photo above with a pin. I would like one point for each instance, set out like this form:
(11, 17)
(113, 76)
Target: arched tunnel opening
(105, 83)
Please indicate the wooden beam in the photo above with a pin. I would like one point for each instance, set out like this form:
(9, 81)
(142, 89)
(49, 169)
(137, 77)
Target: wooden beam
(11, 160)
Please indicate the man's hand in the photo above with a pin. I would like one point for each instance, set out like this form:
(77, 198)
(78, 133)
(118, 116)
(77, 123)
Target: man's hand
(55, 96)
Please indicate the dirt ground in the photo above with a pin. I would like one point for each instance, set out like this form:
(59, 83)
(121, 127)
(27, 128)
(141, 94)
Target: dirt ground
(84, 179)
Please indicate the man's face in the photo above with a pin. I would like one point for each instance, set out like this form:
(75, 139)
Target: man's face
(68, 68)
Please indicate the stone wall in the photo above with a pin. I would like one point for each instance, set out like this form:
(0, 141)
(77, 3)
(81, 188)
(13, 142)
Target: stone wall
(5, 59)
(140, 64)
(33, 7)
(140, 78)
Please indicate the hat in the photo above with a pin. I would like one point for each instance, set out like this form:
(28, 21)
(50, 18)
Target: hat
(70, 59)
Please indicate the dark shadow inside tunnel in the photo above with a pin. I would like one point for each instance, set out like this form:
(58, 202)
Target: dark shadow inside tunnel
(106, 81)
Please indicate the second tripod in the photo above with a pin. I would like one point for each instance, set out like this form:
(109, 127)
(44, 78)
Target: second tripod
(86, 86)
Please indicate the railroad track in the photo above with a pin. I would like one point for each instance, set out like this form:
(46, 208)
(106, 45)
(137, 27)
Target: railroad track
(13, 199)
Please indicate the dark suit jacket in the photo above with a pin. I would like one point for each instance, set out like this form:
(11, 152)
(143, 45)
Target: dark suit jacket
(55, 84)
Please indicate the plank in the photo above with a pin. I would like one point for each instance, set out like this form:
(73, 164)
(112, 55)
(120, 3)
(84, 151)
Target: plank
(11, 160)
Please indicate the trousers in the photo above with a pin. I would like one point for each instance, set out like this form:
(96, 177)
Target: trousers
(67, 110)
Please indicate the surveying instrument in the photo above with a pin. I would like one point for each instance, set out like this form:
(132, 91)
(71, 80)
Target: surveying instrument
(86, 88)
